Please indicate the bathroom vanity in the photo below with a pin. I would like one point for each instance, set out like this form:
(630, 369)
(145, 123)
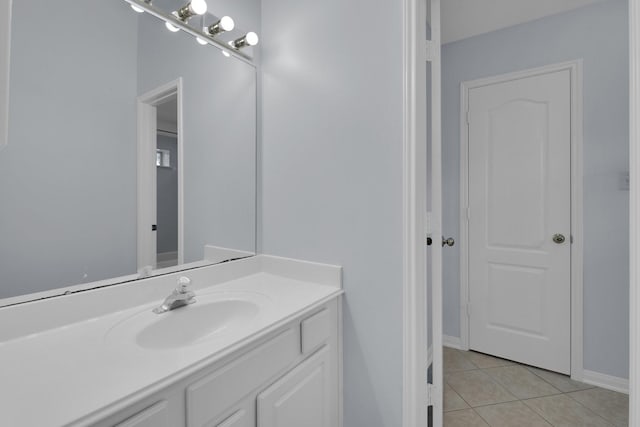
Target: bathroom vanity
(259, 347)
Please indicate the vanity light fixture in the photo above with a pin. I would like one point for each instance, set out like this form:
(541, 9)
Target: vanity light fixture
(205, 35)
(249, 39)
(194, 7)
(224, 24)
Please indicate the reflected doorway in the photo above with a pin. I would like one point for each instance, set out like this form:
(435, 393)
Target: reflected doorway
(167, 163)
(160, 179)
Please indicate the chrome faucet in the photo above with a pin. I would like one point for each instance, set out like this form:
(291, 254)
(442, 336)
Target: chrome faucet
(180, 296)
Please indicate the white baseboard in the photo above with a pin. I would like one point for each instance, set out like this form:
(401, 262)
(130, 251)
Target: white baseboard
(609, 382)
(452, 342)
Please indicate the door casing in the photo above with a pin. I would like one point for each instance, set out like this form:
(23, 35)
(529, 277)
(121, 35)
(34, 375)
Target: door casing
(575, 69)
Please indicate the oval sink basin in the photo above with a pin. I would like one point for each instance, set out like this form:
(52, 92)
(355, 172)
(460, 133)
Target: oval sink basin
(187, 325)
(211, 316)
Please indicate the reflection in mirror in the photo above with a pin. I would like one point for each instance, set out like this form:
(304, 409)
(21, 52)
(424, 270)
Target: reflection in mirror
(129, 150)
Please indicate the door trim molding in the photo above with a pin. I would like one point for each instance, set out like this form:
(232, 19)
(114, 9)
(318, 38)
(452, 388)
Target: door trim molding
(146, 171)
(414, 147)
(634, 214)
(575, 68)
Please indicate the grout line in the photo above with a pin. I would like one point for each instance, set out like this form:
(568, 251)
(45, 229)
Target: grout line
(536, 412)
(568, 394)
(486, 421)
(523, 401)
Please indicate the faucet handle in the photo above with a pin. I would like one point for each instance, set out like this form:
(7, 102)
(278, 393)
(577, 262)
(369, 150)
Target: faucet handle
(183, 284)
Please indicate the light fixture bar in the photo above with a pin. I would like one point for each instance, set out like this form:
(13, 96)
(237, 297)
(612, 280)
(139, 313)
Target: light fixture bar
(173, 20)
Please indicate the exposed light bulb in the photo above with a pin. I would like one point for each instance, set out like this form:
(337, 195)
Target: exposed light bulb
(252, 38)
(202, 41)
(171, 27)
(137, 8)
(249, 39)
(195, 7)
(224, 24)
(199, 7)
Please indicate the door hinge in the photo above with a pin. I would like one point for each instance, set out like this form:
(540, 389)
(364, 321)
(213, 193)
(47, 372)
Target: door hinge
(430, 50)
(431, 391)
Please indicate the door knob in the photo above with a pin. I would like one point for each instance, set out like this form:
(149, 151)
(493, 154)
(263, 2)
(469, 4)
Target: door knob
(448, 242)
(558, 238)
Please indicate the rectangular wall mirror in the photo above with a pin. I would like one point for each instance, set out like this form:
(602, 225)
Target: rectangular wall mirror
(130, 151)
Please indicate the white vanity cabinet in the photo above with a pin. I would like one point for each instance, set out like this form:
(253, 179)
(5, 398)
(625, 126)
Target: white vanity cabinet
(300, 398)
(290, 378)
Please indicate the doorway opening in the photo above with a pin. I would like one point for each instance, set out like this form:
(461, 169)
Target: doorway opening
(160, 179)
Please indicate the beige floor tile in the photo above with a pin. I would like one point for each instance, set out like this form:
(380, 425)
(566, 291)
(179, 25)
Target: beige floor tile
(478, 389)
(464, 418)
(485, 361)
(612, 406)
(559, 381)
(452, 400)
(511, 414)
(521, 382)
(455, 360)
(563, 411)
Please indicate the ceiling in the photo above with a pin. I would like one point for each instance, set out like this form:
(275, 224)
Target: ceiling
(468, 18)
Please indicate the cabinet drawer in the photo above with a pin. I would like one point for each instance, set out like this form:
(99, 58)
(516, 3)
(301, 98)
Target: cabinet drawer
(153, 416)
(210, 397)
(315, 331)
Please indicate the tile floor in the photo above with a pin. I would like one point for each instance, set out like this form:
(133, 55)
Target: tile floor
(482, 390)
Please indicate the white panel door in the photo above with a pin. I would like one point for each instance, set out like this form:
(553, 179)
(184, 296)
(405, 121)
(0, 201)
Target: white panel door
(519, 199)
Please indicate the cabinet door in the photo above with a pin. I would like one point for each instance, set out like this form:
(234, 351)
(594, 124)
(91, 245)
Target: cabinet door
(300, 398)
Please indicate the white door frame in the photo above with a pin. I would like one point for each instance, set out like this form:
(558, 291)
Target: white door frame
(147, 141)
(575, 68)
(414, 287)
(634, 203)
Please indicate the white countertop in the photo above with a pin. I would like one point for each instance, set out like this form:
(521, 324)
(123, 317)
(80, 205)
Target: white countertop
(63, 375)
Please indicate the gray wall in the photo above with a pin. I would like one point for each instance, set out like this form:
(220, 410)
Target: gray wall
(598, 34)
(332, 175)
(66, 174)
(219, 135)
(167, 199)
